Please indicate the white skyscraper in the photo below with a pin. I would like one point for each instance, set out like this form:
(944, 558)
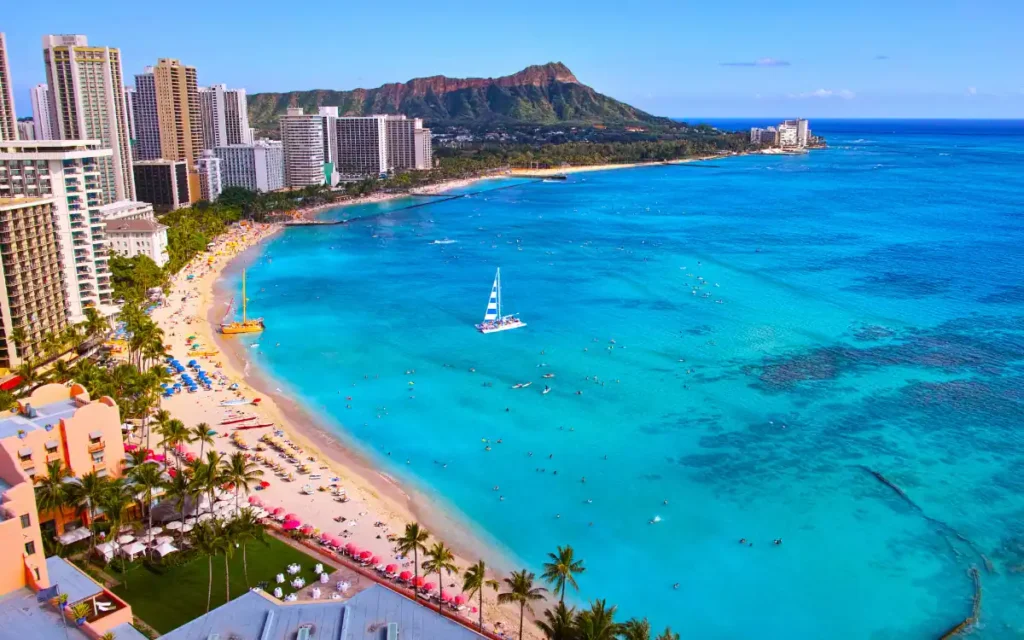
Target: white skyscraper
(210, 182)
(257, 167)
(87, 102)
(225, 116)
(129, 103)
(303, 138)
(41, 112)
(8, 119)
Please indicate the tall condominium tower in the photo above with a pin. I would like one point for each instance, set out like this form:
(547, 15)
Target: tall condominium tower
(87, 102)
(8, 121)
(69, 173)
(303, 137)
(362, 145)
(41, 112)
(225, 116)
(257, 167)
(147, 126)
(178, 112)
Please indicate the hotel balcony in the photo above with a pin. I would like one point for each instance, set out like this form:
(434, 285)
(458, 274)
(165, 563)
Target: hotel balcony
(54, 456)
(28, 463)
(96, 446)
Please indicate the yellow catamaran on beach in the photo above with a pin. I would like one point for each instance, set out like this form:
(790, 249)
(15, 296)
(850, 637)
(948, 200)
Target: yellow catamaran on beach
(245, 326)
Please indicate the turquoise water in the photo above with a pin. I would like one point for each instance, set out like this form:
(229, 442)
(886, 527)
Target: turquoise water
(870, 320)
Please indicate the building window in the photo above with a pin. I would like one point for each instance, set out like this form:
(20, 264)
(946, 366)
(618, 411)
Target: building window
(26, 521)
(36, 570)
(97, 457)
(30, 548)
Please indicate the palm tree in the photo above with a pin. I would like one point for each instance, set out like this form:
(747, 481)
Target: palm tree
(636, 629)
(53, 491)
(174, 433)
(474, 580)
(19, 337)
(415, 540)
(559, 623)
(248, 527)
(211, 473)
(439, 558)
(95, 324)
(229, 541)
(135, 458)
(60, 371)
(668, 635)
(241, 472)
(180, 490)
(115, 502)
(597, 623)
(562, 570)
(206, 539)
(521, 591)
(87, 492)
(27, 373)
(146, 479)
(200, 433)
(7, 400)
(160, 418)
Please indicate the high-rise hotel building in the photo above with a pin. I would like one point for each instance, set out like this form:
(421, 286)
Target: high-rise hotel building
(257, 167)
(41, 112)
(302, 135)
(225, 116)
(69, 173)
(8, 119)
(87, 103)
(147, 126)
(32, 296)
(362, 145)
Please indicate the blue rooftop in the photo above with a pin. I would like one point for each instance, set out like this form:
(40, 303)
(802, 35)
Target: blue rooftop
(22, 617)
(46, 414)
(71, 580)
(125, 631)
(255, 616)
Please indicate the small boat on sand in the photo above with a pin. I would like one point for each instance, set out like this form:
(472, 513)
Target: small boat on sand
(237, 420)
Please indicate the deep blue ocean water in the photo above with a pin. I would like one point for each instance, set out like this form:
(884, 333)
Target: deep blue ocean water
(783, 327)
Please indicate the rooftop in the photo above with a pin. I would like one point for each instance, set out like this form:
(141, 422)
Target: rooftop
(125, 631)
(71, 580)
(22, 617)
(51, 149)
(123, 206)
(256, 616)
(47, 414)
(136, 226)
(18, 203)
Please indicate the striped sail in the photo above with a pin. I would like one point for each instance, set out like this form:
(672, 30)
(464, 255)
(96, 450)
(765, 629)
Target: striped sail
(492, 304)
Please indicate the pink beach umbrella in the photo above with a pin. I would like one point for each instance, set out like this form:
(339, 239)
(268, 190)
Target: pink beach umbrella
(254, 500)
(307, 529)
(404, 576)
(130, 447)
(291, 525)
(391, 568)
(278, 511)
(445, 596)
(351, 549)
(291, 516)
(365, 555)
(460, 600)
(375, 560)
(417, 581)
(429, 586)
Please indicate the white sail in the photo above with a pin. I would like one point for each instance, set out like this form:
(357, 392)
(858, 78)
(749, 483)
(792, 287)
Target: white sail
(492, 304)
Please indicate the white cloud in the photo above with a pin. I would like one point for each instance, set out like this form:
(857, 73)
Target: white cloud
(972, 91)
(844, 94)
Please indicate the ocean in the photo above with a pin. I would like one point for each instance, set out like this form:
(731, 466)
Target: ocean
(823, 350)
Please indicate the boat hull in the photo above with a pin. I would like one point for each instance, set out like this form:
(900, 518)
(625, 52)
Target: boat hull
(239, 327)
(499, 327)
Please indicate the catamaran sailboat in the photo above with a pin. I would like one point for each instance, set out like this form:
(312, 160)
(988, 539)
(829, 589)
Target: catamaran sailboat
(493, 320)
(247, 325)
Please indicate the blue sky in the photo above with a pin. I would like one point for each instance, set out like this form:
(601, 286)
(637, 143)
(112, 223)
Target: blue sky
(730, 58)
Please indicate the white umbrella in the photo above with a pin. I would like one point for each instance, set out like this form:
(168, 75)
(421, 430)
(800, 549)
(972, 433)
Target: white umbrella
(165, 549)
(187, 527)
(125, 539)
(174, 526)
(164, 540)
(153, 531)
(205, 517)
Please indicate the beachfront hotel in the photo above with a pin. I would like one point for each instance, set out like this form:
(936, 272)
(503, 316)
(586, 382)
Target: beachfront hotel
(256, 167)
(32, 294)
(144, 113)
(791, 134)
(8, 119)
(70, 173)
(302, 135)
(87, 103)
(132, 230)
(54, 423)
(362, 145)
(225, 116)
(164, 183)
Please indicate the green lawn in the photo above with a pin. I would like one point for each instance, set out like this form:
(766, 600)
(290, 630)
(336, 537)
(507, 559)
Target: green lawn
(168, 598)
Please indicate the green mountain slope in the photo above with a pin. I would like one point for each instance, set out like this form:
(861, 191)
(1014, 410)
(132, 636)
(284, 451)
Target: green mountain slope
(543, 94)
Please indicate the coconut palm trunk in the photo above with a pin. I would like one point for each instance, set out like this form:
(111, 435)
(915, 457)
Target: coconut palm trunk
(481, 608)
(227, 578)
(209, 586)
(522, 610)
(416, 573)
